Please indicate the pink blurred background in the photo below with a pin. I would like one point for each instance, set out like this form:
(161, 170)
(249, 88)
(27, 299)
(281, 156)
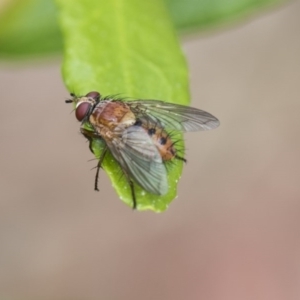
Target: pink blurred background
(233, 232)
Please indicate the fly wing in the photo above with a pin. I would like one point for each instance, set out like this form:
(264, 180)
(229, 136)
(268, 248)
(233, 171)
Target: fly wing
(173, 116)
(139, 158)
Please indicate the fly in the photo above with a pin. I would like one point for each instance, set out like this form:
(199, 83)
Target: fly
(137, 133)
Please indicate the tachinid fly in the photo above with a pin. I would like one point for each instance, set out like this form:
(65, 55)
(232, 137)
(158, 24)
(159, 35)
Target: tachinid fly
(137, 133)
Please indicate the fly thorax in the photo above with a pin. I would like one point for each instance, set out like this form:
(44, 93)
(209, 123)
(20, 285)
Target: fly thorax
(112, 114)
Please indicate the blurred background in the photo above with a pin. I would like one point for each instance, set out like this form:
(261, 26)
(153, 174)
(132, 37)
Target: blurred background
(234, 230)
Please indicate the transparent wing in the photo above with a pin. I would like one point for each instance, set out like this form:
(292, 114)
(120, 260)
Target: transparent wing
(139, 157)
(173, 116)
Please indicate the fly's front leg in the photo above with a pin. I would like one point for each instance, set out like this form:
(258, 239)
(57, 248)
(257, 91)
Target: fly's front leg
(99, 166)
(90, 135)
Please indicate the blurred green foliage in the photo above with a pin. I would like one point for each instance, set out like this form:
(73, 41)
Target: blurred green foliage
(195, 15)
(30, 27)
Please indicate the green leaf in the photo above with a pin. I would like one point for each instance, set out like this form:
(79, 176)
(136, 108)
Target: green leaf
(29, 28)
(125, 47)
(194, 15)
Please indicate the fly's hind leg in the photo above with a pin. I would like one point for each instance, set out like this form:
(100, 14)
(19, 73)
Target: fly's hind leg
(132, 193)
(131, 185)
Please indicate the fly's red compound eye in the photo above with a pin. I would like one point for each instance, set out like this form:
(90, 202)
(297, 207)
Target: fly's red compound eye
(82, 110)
(94, 95)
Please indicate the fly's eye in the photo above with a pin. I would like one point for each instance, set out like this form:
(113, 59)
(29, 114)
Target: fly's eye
(94, 95)
(82, 110)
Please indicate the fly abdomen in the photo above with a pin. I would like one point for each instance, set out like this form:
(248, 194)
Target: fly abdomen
(162, 141)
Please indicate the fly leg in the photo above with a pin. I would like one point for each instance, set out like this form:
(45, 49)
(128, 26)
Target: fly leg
(180, 158)
(132, 193)
(90, 136)
(131, 185)
(99, 166)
